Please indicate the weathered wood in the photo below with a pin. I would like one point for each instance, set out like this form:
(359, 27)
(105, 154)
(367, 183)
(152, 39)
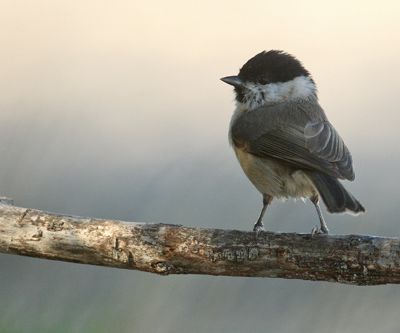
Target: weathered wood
(174, 249)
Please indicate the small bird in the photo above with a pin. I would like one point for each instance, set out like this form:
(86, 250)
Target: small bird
(283, 140)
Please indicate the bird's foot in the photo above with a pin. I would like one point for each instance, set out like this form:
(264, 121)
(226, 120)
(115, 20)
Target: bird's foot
(258, 227)
(322, 230)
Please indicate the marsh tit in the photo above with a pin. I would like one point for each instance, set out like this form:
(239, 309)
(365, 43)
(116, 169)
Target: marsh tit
(283, 140)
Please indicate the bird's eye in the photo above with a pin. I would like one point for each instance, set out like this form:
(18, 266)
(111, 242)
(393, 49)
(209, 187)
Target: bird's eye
(263, 81)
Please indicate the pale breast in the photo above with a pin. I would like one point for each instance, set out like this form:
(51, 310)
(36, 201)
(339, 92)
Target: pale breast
(271, 177)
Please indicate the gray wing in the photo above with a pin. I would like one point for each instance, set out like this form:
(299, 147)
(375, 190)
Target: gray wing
(301, 143)
(322, 140)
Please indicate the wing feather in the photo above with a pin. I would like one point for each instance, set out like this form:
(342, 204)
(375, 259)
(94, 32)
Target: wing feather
(305, 144)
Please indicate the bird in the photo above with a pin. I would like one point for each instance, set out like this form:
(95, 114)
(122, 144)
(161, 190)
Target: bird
(283, 139)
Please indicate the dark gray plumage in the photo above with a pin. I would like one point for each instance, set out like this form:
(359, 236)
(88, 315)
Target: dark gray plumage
(283, 139)
(297, 133)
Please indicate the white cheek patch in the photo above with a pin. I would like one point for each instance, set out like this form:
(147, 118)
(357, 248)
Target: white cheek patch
(301, 87)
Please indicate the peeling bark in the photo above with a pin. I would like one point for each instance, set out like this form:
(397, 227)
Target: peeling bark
(174, 249)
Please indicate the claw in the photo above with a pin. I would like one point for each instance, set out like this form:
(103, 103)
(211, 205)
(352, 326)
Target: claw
(314, 230)
(320, 231)
(258, 227)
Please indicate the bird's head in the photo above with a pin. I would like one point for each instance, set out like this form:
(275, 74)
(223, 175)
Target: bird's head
(271, 77)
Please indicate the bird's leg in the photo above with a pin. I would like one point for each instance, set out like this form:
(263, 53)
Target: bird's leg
(324, 228)
(258, 226)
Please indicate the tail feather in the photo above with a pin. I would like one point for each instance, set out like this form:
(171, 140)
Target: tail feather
(336, 198)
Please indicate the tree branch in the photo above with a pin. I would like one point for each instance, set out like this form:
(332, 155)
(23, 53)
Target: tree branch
(173, 249)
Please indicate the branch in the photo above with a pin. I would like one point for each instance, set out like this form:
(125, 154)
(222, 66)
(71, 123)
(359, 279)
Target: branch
(173, 249)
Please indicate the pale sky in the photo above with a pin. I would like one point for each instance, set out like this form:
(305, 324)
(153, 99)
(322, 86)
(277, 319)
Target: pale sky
(154, 67)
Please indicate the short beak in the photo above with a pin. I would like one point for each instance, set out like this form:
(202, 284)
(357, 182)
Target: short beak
(232, 80)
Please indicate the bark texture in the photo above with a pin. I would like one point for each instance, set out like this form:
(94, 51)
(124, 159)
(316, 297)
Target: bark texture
(173, 249)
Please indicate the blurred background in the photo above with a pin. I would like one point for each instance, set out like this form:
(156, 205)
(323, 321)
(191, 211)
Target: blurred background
(115, 110)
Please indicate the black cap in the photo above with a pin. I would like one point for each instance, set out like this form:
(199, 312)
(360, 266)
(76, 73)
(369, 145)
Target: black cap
(272, 66)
